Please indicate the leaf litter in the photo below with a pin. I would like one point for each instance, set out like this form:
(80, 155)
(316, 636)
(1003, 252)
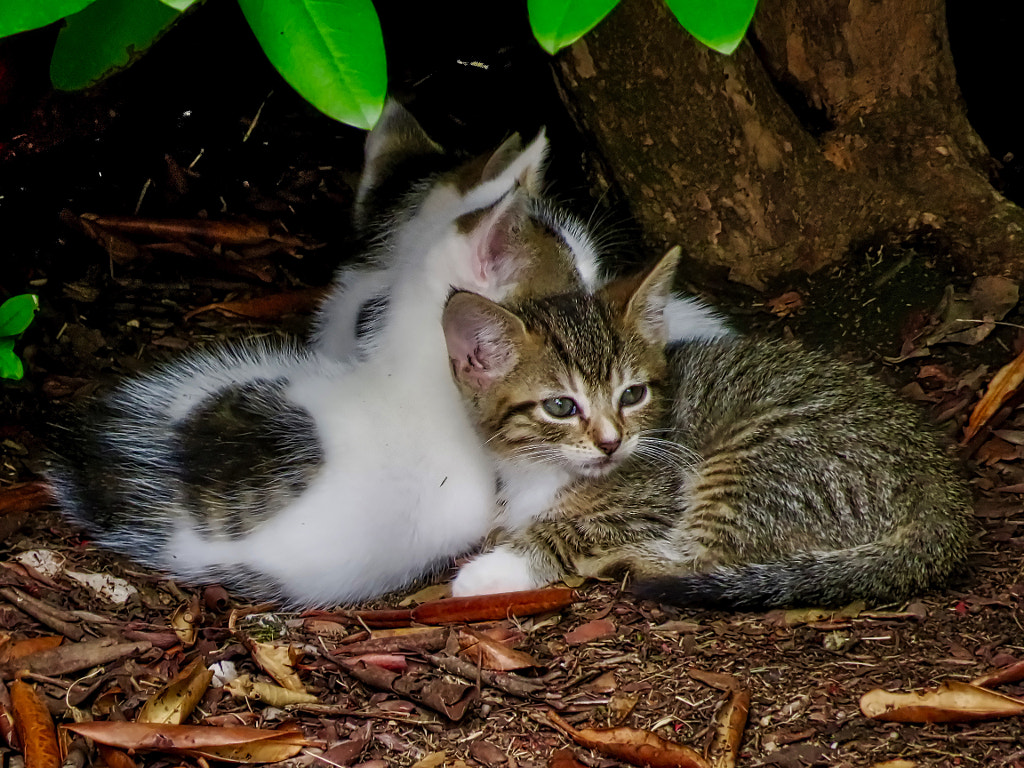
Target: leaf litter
(599, 661)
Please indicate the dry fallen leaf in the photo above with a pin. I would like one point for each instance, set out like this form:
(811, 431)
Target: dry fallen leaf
(964, 318)
(244, 687)
(1002, 387)
(632, 746)
(730, 720)
(175, 701)
(183, 622)
(27, 646)
(489, 653)
(396, 662)
(786, 304)
(1011, 674)
(234, 743)
(72, 657)
(951, 702)
(720, 680)
(24, 497)
(35, 727)
(278, 661)
(114, 758)
(564, 758)
(598, 629)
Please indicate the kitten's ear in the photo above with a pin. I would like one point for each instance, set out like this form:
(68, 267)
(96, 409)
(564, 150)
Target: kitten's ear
(641, 299)
(396, 137)
(518, 165)
(499, 195)
(483, 339)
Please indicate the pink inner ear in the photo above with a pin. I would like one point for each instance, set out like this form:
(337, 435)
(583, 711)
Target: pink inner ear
(477, 344)
(493, 256)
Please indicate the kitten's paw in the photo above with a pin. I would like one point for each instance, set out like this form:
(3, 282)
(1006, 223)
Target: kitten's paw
(499, 571)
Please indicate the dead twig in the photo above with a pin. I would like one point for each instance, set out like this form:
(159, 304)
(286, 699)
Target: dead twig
(517, 686)
(44, 613)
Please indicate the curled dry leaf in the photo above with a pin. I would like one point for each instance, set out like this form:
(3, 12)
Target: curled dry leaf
(564, 758)
(1002, 387)
(35, 727)
(175, 701)
(489, 653)
(951, 702)
(7, 729)
(27, 646)
(183, 622)
(730, 720)
(632, 746)
(278, 661)
(416, 640)
(1011, 674)
(785, 305)
(114, 758)
(719, 680)
(396, 662)
(74, 657)
(234, 743)
(25, 497)
(244, 687)
(450, 699)
(598, 629)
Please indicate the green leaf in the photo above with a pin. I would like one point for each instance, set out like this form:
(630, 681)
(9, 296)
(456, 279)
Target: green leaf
(20, 15)
(180, 5)
(559, 23)
(10, 365)
(330, 51)
(719, 24)
(16, 314)
(105, 37)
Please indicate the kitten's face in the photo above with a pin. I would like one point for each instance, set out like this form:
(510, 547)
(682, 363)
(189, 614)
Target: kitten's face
(573, 380)
(580, 393)
(585, 415)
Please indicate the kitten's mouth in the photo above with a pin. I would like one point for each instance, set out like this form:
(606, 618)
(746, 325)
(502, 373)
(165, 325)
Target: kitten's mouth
(598, 467)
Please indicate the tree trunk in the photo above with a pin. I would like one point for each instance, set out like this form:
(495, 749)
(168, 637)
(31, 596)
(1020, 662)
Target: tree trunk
(835, 125)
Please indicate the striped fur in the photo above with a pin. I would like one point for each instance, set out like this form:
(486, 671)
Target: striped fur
(756, 474)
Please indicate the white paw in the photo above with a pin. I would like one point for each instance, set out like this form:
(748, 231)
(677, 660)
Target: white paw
(499, 571)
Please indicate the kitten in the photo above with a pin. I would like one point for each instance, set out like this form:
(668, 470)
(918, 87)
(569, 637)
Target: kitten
(401, 160)
(739, 472)
(289, 474)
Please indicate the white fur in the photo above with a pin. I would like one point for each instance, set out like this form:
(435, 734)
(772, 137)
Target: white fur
(690, 319)
(403, 484)
(500, 570)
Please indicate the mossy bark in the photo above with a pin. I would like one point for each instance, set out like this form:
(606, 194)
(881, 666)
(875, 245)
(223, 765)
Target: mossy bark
(838, 123)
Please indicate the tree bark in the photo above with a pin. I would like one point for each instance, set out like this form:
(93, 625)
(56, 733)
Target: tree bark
(838, 123)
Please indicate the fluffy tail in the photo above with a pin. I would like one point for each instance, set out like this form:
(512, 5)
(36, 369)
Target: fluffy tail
(890, 570)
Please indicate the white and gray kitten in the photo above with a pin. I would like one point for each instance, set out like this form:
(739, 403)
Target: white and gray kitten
(290, 474)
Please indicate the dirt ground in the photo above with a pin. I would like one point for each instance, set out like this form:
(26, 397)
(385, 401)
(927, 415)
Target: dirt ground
(114, 302)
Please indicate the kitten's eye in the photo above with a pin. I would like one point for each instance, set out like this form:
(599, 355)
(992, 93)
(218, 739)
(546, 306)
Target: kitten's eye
(560, 407)
(633, 395)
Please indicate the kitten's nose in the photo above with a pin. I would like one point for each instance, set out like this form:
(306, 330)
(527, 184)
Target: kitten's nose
(609, 446)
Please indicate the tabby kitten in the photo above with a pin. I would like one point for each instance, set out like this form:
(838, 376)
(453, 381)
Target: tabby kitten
(289, 474)
(740, 472)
